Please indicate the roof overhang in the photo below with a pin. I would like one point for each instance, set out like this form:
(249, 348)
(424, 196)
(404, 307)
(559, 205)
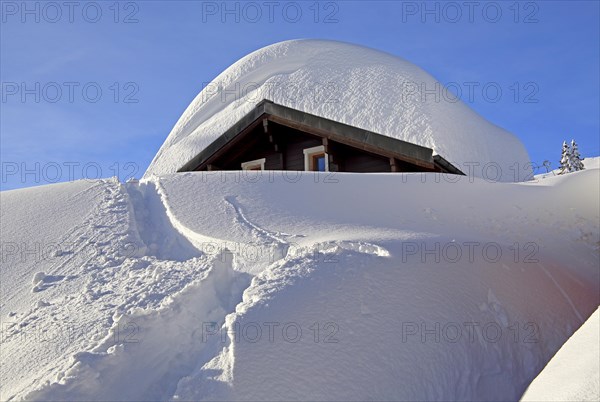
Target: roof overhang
(319, 126)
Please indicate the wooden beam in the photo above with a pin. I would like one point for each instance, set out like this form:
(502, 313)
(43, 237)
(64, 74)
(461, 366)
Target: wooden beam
(269, 132)
(234, 154)
(327, 148)
(229, 144)
(393, 165)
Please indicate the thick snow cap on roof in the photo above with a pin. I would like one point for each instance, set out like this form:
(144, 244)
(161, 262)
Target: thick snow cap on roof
(353, 85)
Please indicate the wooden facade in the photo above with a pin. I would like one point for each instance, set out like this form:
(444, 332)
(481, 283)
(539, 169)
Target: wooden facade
(274, 137)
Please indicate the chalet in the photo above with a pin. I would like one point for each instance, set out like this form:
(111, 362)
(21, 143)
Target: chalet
(276, 137)
(271, 110)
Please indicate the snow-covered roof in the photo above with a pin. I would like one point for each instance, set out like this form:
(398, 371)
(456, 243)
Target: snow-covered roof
(350, 84)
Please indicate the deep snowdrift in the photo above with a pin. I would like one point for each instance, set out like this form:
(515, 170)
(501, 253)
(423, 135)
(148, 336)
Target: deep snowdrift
(294, 286)
(350, 84)
(574, 373)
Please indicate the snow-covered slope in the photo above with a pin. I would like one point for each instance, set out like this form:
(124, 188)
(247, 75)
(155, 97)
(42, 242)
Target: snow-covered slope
(295, 286)
(574, 373)
(350, 84)
(588, 163)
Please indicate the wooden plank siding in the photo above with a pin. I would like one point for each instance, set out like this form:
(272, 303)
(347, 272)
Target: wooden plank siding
(295, 145)
(350, 159)
(291, 143)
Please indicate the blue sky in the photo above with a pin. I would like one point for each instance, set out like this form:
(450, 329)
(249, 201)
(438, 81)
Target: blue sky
(149, 59)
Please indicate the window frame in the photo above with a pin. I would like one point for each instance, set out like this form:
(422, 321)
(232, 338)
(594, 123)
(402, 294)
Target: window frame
(310, 153)
(254, 163)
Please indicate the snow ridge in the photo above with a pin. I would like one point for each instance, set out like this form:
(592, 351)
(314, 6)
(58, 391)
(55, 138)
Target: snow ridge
(158, 315)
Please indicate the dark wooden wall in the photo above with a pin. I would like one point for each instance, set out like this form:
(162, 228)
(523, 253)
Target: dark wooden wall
(350, 159)
(295, 144)
(285, 152)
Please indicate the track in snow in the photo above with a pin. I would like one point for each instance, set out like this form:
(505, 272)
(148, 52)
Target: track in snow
(136, 310)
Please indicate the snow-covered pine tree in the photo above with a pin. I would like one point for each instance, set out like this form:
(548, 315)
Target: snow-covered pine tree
(575, 159)
(565, 159)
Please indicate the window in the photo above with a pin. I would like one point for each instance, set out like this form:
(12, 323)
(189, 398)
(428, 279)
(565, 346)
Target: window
(315, 159)
(257, 164)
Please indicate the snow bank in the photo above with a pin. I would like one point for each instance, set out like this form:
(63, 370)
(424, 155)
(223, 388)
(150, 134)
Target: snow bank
(573, 374)
(350, 84)
(285, 285)
(31, 248)
(42, 238)
(350, 274)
